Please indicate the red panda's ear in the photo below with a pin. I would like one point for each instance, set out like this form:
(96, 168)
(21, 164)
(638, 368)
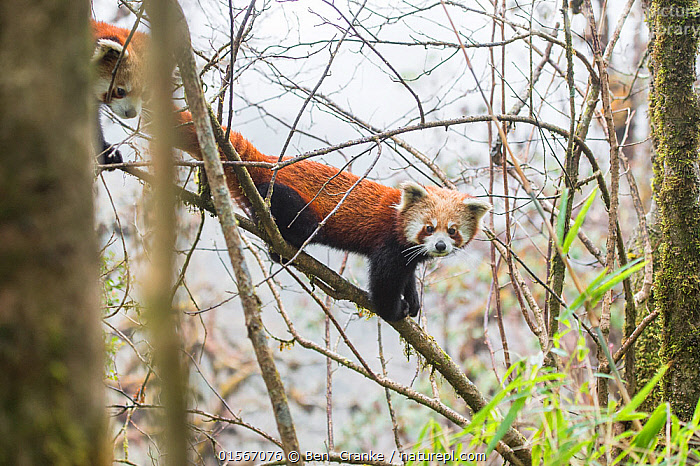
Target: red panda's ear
(410, 194)
(476, 207)
(108, 50)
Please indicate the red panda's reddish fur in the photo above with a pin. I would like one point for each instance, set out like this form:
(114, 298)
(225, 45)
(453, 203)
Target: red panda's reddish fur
(102, 30)
(396, 229)
(361, 224)
(131, 72)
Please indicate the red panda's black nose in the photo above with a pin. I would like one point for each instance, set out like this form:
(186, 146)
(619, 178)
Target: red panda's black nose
(131, 113)
(440, 246)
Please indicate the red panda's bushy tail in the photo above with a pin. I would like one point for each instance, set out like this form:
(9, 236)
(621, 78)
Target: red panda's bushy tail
(186, 140)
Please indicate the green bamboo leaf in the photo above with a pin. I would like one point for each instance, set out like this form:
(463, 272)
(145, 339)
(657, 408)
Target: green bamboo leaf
(480, 418)
(656, 422)
(566, 455)
(578, 222)
(426, 428)
(562, 219)
(695, 421)
(506, 423)
(537, 451)
(580, 299)
(615, 278)
(489, 410)
(602, 283)
(636, 263)
(629, 409)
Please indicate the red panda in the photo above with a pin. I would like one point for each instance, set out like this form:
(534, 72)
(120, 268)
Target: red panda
(395, 228)
(126, 97)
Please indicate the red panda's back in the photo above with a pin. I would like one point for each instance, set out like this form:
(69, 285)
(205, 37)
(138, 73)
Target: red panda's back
(362, 223)
(366, 217)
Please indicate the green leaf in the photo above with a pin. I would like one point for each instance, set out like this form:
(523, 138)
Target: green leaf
(578, 222)
(615, 278)
(566, 455)
(580, 299)
(506, 423)
(626, 412)
(656, 422)
(562, 219)
(429, 425)
(602, 283)
(696, 416)
(537, 452)
(489, 410)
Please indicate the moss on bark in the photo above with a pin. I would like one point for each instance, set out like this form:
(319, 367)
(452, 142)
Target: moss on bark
(674, 114)
(51, 395)
(647, 349)
(647, 352)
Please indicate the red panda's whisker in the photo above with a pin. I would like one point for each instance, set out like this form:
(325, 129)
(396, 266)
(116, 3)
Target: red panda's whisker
(411, 249)
(413, 252)
(395, 215)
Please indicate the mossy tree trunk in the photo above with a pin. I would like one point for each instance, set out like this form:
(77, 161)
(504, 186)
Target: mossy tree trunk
(51, 355)
(647, 349)
(675, 113)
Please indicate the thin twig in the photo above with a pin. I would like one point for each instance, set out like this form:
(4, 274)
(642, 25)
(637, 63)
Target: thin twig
(387, 393)
(381, 57)
(604, 321)
(224, 206)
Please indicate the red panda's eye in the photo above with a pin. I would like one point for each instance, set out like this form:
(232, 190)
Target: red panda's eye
(451, 231)
(429, 229)
(119, 92)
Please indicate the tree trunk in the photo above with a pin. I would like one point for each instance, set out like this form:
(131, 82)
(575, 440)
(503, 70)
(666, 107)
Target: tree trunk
(647, 349)
(674, 113)
(51, 356)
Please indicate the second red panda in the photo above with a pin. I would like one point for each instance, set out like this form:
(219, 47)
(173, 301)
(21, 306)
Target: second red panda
(395, 229)
(127, 82)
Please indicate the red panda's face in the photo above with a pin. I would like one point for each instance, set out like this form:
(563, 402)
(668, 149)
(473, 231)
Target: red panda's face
(438, 221)
(126, 95)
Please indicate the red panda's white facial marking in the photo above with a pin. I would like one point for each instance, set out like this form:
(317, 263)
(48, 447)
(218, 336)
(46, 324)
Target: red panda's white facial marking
(127, 90)
(436, 240)
(438, 221)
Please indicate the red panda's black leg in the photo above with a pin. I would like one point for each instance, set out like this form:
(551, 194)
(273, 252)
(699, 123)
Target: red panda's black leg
(410, 293)
(386, 296)
(294, 219)
(389, 278)
(107, 154)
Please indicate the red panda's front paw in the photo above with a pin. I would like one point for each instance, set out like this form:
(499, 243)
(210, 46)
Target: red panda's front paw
(412, 309)
(409, 309)
(393, 313)
(109, 155)
(276, 258)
